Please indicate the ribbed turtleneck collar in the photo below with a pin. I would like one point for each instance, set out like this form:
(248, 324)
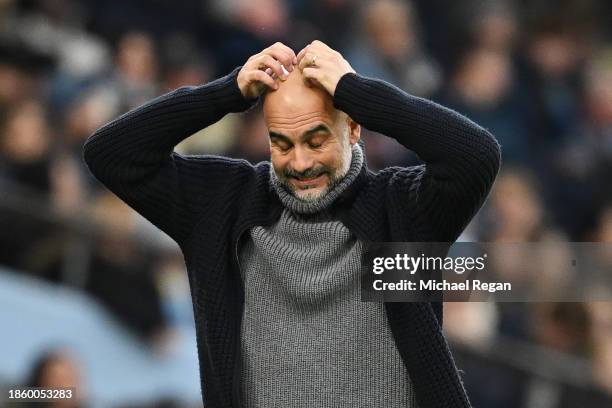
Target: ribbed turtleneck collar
(299, 206)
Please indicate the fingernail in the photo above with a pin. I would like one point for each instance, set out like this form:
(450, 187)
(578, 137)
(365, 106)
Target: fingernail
(290, 68)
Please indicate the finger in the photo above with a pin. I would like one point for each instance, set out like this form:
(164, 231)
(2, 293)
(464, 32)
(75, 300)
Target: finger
(307, 61)
(301, 53)
(282, 58)
(265, 61)
(321, 45)
(271, 73)
(290, 53)
(261, 76)
(283, 54)
(313, 75)
(315, 50)
(310, 48)
(303, 61)
(281, 47)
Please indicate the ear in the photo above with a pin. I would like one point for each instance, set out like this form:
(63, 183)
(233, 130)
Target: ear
(354, 130)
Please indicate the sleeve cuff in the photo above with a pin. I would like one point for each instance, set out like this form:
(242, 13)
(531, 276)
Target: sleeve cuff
(239, 102)
(225, 93)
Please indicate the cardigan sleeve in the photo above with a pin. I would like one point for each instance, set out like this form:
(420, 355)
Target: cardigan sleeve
(461, 158)
(133, 156)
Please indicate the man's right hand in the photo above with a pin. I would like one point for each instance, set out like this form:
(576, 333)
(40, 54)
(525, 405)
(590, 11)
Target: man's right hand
(264, 70)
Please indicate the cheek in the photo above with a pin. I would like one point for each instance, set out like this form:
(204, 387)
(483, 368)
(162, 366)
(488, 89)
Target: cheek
(332, 157)
(279, 161)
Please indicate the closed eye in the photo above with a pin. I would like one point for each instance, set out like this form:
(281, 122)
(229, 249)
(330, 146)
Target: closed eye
(280, 141)
(282, 148)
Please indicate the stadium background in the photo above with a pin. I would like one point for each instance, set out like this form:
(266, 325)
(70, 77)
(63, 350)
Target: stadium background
(91, 294)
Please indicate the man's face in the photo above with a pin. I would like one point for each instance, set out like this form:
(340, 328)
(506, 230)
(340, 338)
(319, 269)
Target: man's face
(310, 141)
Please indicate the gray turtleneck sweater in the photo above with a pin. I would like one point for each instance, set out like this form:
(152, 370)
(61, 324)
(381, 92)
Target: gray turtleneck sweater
(307, 339)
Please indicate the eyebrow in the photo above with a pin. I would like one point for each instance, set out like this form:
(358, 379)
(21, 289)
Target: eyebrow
(305, 136)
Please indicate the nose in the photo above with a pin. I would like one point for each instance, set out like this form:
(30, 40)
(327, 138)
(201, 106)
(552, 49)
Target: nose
(302, 160)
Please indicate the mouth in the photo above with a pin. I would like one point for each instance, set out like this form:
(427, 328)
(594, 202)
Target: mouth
(305, 183)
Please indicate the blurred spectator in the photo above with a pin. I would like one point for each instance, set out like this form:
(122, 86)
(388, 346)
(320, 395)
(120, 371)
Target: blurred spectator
(552, 73)
(319, 19)
(564, 327)
(604, 230)
(471, 323)
(91, 108)
(25, 145)
(484, 88)
(601, 313)
(253, 139)
(15, 83)
(515, 214)
(121, 269)
(26, 165)
(184, 64)
(577, 169)
(136, 74)
(390, 49)
(495, 27)
(244, 28)
(58, 369)
(515, 209)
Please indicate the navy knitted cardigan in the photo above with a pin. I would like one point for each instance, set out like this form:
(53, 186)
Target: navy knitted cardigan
(205, 203)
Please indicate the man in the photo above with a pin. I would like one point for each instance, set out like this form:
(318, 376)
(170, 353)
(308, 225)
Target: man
(273, 251)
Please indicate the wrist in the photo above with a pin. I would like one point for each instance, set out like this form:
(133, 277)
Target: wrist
(340, 92)
(239, 100)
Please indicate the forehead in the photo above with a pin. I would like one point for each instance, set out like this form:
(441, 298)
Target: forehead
(297, 122)
(295, 105)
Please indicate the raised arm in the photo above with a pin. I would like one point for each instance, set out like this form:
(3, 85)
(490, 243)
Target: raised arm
(133, 155)
(461, 158)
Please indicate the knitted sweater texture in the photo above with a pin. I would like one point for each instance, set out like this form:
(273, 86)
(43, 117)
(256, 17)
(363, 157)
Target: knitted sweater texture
(206, 203)
(307, 339)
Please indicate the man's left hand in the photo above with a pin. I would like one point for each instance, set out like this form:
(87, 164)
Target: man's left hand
(322, 65)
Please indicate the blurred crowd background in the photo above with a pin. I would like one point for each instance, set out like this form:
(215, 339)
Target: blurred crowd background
(93, 296)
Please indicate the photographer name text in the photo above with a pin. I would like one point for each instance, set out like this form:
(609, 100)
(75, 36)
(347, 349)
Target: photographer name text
(442, 285)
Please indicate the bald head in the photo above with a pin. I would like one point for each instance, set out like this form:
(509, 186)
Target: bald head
(296, 100)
